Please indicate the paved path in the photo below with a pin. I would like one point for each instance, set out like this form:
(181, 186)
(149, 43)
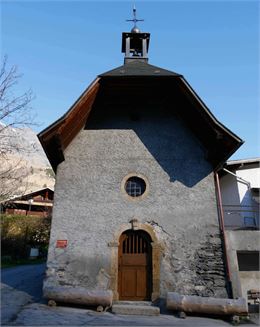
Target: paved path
(22, 305)
(27, 278)
(37, 314)
(19, 286)
(42, 315)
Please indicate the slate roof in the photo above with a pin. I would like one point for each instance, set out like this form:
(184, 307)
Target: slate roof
(138, 68)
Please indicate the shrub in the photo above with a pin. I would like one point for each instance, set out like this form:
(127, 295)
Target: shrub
(6, 259)
(20, 233)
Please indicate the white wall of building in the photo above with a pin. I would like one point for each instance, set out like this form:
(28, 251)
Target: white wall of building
(239, 206)
(252, 175)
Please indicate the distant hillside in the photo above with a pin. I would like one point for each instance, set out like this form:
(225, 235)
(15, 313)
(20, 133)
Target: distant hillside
(22, 157)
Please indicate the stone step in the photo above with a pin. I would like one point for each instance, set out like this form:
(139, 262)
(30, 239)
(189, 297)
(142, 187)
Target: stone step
(133, 302)
(135, 309)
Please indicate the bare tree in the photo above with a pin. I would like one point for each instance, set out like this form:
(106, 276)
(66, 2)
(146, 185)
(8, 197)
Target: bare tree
(15, 111)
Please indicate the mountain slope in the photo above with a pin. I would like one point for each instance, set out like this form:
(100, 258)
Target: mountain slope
(24, 167)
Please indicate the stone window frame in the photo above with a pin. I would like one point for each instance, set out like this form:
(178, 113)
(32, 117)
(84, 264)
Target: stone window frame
(129, 197)
(157, 249)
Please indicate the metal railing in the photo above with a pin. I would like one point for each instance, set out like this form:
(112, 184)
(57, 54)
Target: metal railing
(241, 217)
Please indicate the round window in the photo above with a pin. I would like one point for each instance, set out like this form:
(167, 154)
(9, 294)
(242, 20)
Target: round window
(135, 186)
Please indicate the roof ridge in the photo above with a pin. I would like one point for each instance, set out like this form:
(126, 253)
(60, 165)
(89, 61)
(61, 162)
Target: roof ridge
(133, 68)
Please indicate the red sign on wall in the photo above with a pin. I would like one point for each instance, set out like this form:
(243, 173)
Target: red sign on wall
(61, 244)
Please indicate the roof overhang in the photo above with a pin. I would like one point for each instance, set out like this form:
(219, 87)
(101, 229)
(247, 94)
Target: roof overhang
(171, 89)
(55, 138)
(34, 203)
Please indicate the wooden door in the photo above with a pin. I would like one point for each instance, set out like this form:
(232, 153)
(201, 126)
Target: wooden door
(134, 271)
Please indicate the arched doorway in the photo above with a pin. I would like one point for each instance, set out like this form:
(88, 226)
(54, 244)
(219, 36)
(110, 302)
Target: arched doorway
(135, 266)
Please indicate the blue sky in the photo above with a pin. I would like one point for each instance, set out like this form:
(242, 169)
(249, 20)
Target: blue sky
(61, 46)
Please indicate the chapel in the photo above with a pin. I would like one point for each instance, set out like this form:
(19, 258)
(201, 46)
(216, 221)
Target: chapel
(135, 213)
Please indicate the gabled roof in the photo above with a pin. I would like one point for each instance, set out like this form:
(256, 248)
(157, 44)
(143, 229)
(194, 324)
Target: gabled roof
(31, 194)
(141, 82)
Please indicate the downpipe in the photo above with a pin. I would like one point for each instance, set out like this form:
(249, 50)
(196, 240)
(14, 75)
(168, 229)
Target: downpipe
(238, 178)
(223, 233)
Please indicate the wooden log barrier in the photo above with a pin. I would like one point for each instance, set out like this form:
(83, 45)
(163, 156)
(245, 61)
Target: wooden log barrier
(207, 305)
(79, 295)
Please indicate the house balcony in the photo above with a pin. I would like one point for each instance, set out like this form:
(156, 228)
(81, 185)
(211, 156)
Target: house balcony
(238, 217)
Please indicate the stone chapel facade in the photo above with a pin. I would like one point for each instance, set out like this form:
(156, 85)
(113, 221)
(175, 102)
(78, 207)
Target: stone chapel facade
(135, 213)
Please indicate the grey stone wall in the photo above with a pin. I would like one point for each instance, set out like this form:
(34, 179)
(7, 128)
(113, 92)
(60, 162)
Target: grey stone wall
(90, 206)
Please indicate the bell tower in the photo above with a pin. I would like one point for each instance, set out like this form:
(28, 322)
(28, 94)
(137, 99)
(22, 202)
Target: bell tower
(135, 44)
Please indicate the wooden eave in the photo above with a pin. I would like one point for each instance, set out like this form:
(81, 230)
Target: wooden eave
(34, 203)
(220, 141)
(113, 90)
(57, 137)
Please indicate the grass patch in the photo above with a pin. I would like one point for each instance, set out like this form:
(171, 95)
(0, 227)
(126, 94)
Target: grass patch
(19, 234)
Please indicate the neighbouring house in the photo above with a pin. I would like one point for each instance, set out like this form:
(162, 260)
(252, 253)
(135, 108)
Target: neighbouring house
(135, 213)
(38, 203)
(240, 185)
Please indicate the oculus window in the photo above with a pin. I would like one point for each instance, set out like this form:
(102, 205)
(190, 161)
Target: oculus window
(135, 186)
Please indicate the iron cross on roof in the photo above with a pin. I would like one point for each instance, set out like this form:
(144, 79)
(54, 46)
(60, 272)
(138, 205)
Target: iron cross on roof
(135, 29)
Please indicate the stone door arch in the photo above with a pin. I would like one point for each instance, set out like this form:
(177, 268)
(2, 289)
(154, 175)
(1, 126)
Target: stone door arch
(135, 266)
(156, 250)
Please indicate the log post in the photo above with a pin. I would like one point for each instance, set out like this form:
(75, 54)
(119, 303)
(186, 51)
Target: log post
(79, 295)
(208, 305)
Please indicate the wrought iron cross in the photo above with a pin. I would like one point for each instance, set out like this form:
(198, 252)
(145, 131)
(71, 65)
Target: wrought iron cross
(134, 20)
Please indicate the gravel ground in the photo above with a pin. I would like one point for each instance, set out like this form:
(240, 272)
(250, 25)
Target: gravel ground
(42, 315)
(22, 305)
(12, 302)
(19, 286)
(26, 278)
